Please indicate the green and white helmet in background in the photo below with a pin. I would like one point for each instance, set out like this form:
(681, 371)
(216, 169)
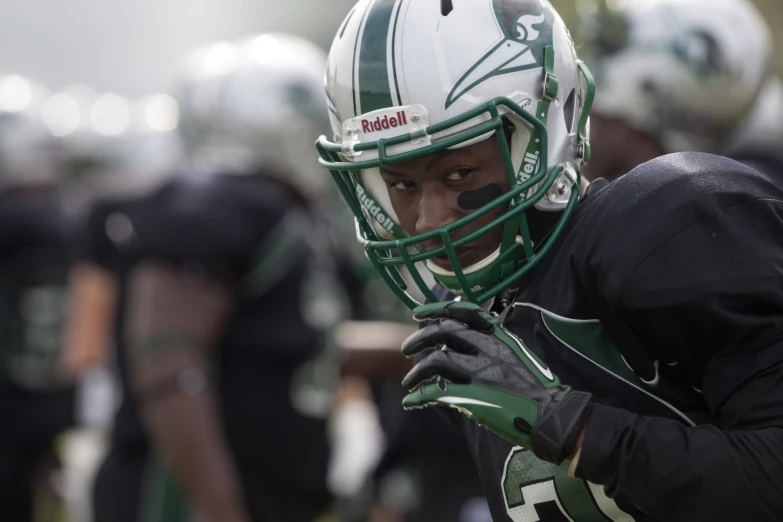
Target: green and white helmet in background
(255, 104)
(684, 72)
(407, 78)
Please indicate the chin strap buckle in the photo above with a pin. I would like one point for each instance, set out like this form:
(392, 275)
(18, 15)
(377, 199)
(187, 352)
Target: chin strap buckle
(550, 86)
(583, 150)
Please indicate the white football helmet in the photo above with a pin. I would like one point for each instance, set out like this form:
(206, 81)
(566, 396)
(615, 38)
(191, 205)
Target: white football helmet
(29, 152)
(684, 72)
(256, 105)
(407, 78)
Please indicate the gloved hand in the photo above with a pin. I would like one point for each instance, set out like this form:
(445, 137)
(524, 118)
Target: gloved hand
(470, 362)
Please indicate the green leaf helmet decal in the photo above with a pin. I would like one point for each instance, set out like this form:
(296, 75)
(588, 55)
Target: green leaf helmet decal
(527, 30)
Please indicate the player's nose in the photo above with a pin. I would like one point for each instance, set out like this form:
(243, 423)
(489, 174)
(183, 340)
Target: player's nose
(435, 209)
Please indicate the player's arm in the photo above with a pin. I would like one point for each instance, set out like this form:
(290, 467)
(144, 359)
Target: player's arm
(720, 314)
(175, 318)
(700, 473)
(92, 295)
(92, 303)
(711, 297)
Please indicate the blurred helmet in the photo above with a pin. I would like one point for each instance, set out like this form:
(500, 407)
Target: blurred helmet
(408, 79)
(29, 152)
(119, 146)
(256, 105)
(684, 72)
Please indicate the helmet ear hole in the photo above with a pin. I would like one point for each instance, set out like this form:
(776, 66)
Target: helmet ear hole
(508, 130)
(569, 111)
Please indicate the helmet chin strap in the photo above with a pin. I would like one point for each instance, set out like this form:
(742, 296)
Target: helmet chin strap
(472, 269)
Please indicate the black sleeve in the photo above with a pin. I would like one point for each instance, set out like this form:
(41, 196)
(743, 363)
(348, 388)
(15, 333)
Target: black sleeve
(218, 226)
(710, 298)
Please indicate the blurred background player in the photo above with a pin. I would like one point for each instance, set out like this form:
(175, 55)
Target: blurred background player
(36, 397)
(670, 77)
(226, 352)
(116, 173)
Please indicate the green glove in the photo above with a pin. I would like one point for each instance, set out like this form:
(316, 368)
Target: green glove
(469, 361)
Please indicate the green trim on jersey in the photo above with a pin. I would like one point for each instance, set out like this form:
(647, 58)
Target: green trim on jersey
(589, 339)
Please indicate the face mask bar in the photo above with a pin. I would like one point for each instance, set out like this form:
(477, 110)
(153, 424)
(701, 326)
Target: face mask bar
(381, 252)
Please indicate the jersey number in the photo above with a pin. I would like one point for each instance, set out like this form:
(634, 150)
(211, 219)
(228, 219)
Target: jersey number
(535, 490)
(35, 346)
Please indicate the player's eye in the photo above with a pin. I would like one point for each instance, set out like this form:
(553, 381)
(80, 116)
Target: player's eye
(402, 185)
(459, 174)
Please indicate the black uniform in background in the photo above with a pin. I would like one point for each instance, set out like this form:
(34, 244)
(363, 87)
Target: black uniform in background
(261, 241)
(35, 402)
(664, 299)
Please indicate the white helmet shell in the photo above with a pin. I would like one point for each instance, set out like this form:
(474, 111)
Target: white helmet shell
(423, 63)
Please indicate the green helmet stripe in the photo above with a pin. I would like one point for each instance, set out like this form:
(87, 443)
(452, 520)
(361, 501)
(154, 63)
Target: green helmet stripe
(374, 88)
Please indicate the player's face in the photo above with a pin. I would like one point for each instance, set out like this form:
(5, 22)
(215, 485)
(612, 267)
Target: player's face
(436, 190)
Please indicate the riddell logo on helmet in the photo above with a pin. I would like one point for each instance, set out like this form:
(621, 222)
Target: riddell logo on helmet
(384, 123)
(374, 209)
(529, 164)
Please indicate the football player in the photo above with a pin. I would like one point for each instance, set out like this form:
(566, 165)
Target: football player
(232, 292)
(671, 77)
(610, 354)
(36, 398)
(112, 175)
(96, 325)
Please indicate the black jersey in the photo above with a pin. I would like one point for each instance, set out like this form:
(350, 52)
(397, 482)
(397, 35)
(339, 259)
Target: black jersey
(35, 258)
(664, 299)
(274, 369)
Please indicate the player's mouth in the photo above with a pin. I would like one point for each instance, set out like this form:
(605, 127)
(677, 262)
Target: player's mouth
(465, 258)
